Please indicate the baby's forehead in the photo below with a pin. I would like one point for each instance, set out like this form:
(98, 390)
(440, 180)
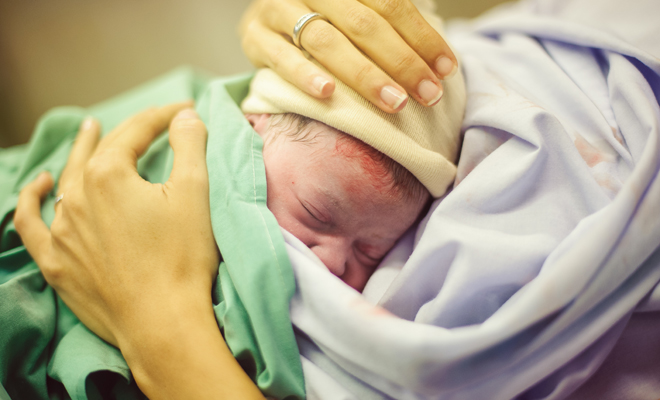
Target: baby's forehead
(362, 166)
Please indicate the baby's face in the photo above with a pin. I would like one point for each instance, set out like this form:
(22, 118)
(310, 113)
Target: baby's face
(327, 201)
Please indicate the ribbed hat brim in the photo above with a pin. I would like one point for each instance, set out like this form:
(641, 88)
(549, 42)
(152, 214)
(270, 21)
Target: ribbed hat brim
(424, 140)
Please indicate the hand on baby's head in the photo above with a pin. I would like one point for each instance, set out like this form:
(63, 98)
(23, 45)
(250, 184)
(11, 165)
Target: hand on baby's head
(339, 190)
(343, 199)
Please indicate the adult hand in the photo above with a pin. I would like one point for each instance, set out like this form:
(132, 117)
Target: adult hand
(391, 32)
(135, 261)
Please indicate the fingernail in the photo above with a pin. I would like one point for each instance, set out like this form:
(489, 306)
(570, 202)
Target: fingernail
(429, 92)
(445, 67)
(320, 83)
(188, 113)
(88, 123)
(392, 96)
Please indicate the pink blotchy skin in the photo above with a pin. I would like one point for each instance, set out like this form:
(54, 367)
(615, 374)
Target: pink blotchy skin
(328, 201)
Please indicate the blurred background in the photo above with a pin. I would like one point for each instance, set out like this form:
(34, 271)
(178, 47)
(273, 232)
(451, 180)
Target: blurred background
(79, 52)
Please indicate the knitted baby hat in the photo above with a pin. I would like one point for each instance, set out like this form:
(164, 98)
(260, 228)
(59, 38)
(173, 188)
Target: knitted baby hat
(424, 140)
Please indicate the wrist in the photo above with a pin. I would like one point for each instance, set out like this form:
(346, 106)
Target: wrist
(163, 327)
(183, 355)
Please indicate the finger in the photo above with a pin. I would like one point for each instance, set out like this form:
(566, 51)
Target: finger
(134, 138)
(371, 33)
(188, 140)
(335, 52)
(409, 23)
(83, 148)
(265, 48)
(27, 218)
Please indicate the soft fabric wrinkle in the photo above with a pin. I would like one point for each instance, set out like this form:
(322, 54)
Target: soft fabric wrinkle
(522, 278)
(68, 358)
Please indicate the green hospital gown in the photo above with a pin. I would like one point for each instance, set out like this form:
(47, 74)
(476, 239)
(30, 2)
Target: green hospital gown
(46, 353)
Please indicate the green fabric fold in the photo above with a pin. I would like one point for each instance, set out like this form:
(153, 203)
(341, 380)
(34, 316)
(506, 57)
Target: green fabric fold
(46, 353)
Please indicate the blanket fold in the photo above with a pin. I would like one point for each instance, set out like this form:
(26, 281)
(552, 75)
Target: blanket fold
(46, 353)
(519, 282)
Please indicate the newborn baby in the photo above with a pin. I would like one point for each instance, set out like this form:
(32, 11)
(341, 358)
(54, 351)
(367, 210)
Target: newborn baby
(342, 198)
(350, 186)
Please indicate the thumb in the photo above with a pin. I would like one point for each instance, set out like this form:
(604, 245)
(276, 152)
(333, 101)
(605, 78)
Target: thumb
(188, 140)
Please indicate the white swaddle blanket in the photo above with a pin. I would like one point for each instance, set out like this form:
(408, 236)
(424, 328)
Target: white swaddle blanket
(520, 281)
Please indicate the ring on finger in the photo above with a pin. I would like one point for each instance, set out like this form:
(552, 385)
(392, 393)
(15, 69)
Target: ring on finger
(302, 23)
(58, 198)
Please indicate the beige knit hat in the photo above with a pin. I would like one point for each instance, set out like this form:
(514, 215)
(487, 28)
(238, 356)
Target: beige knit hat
(424, 140)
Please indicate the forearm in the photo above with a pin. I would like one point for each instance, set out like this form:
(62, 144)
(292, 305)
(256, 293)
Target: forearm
(186, 357)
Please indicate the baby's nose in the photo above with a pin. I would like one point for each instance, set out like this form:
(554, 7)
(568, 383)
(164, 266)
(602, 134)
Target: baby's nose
(333, 252)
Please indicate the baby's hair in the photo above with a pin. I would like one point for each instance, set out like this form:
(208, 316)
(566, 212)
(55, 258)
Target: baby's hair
(386, 172)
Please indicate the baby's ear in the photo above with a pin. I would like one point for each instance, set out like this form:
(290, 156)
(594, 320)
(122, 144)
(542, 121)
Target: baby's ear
(259, 122)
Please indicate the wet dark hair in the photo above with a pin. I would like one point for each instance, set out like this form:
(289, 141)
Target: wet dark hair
(385, 171)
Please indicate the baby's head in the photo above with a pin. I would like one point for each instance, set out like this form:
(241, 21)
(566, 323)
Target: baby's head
(346, 178)
(345, 200)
